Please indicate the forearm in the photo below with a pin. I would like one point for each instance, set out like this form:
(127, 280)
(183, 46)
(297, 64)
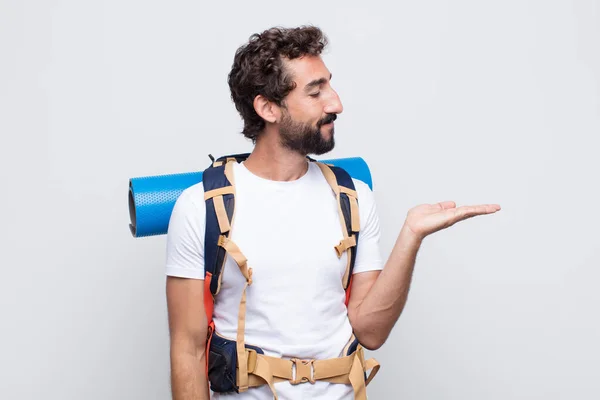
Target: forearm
(384, 302)
(188, 372)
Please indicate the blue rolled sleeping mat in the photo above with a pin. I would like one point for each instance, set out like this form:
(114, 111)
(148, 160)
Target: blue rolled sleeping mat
(151, 198)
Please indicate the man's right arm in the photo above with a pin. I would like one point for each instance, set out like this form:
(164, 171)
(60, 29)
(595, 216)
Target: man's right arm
(188, 333)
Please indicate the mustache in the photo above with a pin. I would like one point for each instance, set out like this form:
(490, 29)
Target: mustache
(328, 119)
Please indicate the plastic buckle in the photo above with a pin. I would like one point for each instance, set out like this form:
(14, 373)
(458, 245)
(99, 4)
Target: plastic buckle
(304, 371)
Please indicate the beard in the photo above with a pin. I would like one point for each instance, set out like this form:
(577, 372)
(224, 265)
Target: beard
(304, 138)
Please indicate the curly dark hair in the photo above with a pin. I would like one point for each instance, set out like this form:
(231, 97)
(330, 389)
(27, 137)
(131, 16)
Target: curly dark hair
(258, 69)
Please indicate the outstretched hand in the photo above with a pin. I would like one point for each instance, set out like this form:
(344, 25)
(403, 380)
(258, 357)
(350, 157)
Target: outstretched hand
(426, 219)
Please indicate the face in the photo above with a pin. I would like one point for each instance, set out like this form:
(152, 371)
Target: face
(310, 108)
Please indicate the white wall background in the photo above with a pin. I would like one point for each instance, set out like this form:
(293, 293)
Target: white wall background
(470, 101)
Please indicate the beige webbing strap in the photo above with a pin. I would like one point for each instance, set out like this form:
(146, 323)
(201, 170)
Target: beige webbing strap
(234, 251)
(354, 211)
(373, 365)
(345, 244)
(229, 172)
(333, 368)
(357, 378)
(221, 214)
(370, 364)
(350, 369)
(352, 196)
(217, 196)
(357, 373)
(219, 192)
(261, 374)
(348, 191)
(331, 179)
(240, 344)
(222, 217)
(220, 211)
(349, 241)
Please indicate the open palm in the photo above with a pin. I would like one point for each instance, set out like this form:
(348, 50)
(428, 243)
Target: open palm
(426, 219)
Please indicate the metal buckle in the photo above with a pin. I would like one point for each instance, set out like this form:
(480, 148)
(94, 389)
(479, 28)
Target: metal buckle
(303, 372)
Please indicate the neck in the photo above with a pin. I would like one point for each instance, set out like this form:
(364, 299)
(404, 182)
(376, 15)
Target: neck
(270, 160)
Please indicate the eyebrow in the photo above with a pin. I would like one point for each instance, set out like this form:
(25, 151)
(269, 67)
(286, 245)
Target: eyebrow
(316, 82)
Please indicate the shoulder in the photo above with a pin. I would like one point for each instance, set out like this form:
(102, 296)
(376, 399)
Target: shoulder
(191, 200)
(364, 192)
(361, 187)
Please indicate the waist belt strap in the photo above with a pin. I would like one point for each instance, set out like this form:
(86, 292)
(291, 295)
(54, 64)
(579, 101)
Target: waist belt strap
(264, 369)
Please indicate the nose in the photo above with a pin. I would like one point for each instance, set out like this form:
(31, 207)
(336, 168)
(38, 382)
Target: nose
(334, 104)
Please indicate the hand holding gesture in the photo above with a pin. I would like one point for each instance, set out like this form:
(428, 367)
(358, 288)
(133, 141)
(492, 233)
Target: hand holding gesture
(426, 219)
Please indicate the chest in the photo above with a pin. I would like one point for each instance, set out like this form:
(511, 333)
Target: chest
(288, 238)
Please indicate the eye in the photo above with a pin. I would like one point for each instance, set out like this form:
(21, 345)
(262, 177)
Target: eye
(315, 95)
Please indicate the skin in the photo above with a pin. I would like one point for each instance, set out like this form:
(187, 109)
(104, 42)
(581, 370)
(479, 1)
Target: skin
(188, 333)
(377, 298)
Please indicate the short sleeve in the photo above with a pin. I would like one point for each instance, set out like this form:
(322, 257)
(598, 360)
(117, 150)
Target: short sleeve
(368, 255)
(185, 235)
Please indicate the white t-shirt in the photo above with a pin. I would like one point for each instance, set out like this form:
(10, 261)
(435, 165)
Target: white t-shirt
(287, 231)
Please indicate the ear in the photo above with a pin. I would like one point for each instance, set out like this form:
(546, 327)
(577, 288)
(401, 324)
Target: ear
(266, 109)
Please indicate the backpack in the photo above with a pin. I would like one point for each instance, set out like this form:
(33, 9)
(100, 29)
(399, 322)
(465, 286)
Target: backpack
(233, 365)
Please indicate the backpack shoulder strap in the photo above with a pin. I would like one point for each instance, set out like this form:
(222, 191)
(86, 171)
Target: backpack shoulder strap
(219, 195)
(343, 187)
